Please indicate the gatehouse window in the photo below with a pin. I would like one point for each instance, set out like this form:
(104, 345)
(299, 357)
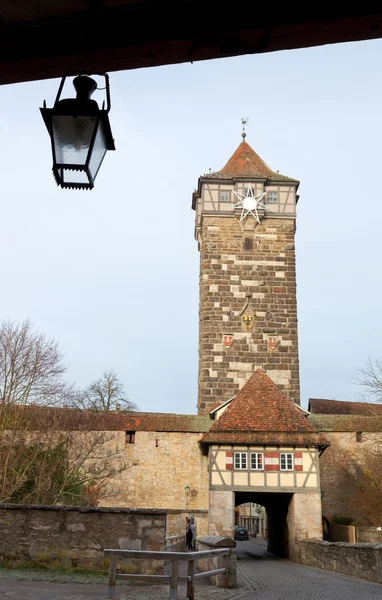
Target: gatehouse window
(286, 461)
(240, 460)
(225, 196)
(257, 461)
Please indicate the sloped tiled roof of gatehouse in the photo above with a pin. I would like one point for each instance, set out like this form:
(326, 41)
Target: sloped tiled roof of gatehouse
(246, 163)
(261, 414)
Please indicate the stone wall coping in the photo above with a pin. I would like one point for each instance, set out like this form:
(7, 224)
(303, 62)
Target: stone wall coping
(217, 541)
(180, 511)
(85, 509)
(341, 544)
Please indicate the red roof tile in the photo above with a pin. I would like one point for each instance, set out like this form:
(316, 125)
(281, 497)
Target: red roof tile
(346, 423)
(272, 438)
(343, 407)
(71, 419)
(260, 413)
(245, 162)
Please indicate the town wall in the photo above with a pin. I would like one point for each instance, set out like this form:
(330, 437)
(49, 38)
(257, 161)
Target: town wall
(69, 536)
(176, 522)
(368, 534)
(356, 560)
(335, 485)
(160, 467)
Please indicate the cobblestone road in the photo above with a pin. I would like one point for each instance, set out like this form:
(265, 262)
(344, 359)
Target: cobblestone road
(261, 577)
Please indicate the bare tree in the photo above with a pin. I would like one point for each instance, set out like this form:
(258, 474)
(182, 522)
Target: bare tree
(31, 366)
(104, 394)
(371, 378)
(362, 485)
(48, 454)
(57, 456)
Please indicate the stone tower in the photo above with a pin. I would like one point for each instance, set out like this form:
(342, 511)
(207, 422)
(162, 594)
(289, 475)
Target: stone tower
(245, 226)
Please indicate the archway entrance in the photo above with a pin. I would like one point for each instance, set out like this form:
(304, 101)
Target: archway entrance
(254, 517)
(276, 506)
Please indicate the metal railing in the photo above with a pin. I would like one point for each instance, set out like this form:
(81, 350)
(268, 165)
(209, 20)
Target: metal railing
(173, 579)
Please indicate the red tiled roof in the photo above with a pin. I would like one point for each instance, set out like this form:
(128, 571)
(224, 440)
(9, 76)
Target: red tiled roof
(260, 413)
(270, 438)
(320, 406)
(346, 423)
(244, 162)
(70, 419)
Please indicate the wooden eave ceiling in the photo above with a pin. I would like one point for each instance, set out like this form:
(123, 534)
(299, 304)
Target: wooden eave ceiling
(40, 39)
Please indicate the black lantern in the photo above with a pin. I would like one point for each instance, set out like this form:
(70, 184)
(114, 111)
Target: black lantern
(80, 134)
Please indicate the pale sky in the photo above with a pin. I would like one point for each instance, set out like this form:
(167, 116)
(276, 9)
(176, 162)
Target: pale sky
(112, 274)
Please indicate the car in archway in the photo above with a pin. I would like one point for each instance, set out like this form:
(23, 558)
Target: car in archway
(241, 533)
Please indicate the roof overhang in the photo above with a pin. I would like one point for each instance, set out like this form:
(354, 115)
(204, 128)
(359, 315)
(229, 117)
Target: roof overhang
(219, 407)
(44, 39)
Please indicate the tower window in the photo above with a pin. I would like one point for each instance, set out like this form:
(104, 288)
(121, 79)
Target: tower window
(286, 461)
(225, 196)
(358, 436)
(248, 244)
(272, 197)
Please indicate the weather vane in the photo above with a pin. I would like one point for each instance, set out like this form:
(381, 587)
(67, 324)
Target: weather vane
(244, 121)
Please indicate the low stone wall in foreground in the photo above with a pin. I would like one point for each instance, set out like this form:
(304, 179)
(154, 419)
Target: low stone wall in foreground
(70, 536)
(357, 560)
(211, 542)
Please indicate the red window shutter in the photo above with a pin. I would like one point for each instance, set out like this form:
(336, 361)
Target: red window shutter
(298, 461)
(271, 461)
(229, 461)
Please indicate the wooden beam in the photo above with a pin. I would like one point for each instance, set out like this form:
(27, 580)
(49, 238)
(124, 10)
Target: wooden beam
(152, 33)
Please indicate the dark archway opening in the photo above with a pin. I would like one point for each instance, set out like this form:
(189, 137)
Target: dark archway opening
(276, 506)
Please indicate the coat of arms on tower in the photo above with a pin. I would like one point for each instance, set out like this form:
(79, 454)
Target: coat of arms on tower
(227, 341)
(272, 343)
(247, 317)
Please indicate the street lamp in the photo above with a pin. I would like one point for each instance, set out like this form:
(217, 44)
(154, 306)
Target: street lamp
(80, 134)
(187, 489)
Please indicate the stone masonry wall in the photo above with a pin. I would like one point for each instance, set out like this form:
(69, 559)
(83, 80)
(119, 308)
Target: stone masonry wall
(221, 516)
(176, 522)
(229, 276)
(356, 560)
(334, 482)
(304, 519)
(59, 536)
(371, 535)
(160, 466)
(214, 542)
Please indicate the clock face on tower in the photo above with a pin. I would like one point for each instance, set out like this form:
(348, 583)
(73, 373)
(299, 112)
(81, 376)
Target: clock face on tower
(249, 203)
